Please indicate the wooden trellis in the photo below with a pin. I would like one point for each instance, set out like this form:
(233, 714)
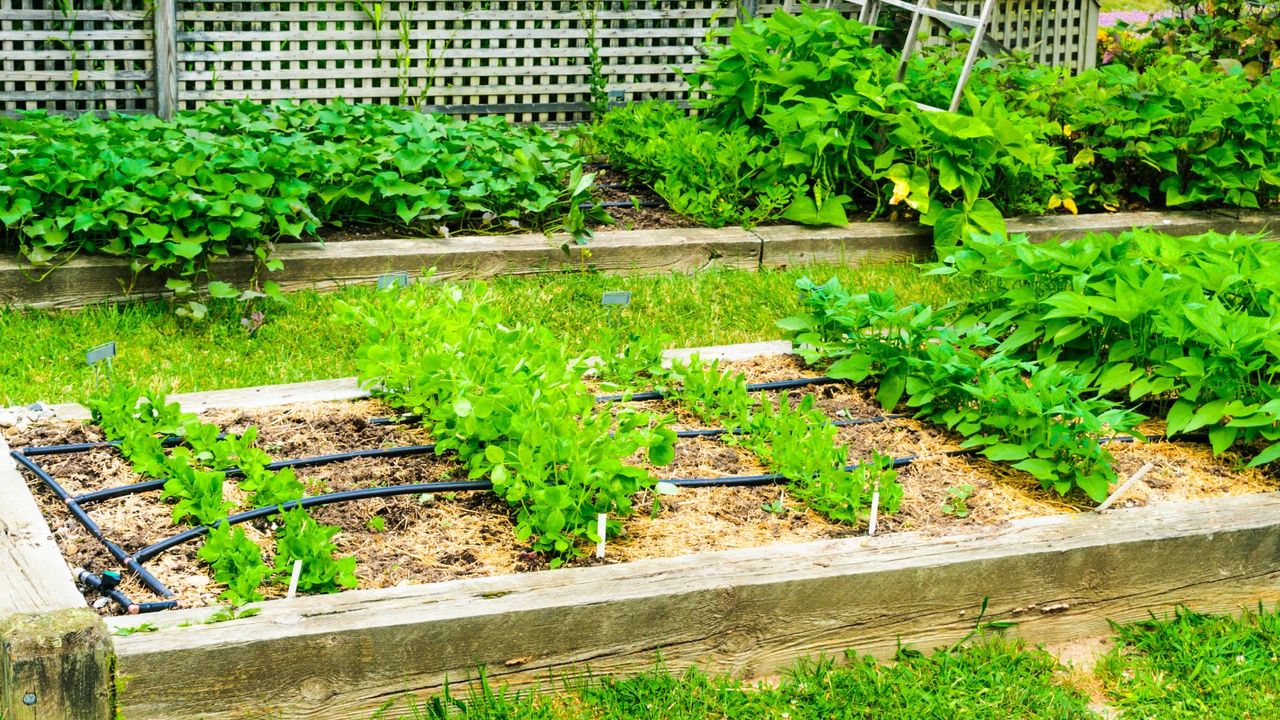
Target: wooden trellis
(531, 61)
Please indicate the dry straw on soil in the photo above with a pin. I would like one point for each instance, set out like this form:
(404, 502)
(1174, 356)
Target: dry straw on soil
(435, 538)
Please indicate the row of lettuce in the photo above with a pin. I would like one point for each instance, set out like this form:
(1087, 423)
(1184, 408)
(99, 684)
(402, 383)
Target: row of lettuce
(801, 118)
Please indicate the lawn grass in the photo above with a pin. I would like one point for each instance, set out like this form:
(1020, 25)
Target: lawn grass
(1196, 666)
(1188, 667)
(994, 679)
(44, 357)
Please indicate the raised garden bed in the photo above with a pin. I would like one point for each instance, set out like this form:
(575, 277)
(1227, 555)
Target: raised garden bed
(87, 280)
(715, 577)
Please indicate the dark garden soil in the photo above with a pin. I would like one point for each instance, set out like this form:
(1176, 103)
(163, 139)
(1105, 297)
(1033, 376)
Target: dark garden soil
(423, 539)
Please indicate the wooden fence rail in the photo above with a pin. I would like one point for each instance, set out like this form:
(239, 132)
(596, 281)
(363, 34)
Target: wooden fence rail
(532, 61)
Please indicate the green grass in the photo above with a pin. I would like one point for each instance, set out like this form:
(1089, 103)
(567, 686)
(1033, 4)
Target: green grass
(1188, 667)
(995, 679)
(1196, 666)
(44, 350)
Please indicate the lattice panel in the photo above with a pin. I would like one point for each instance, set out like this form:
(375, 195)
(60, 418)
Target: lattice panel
(95, 56)
(1061, 33)
(529, 60)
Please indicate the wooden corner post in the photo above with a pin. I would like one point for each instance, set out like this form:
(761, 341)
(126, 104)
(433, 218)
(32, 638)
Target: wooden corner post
(55, 653)
(165, 38)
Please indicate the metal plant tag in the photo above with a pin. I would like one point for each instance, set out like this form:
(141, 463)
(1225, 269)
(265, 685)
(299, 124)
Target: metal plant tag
(398, 279)
(621, 297)
(105, 351)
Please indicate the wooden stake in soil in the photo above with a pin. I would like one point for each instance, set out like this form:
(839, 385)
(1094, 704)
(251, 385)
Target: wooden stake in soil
(1142, 471)
(293, 581)
(602, 526)
(875, 510)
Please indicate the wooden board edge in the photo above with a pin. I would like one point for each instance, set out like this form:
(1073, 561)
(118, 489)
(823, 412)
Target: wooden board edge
(747, 612)
(348, 388)
(34, 577)
(90, 280)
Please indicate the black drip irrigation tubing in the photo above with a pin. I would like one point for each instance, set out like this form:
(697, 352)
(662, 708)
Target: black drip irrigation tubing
(92, 527)
(458, 486)
(382, 453)
(650, 395)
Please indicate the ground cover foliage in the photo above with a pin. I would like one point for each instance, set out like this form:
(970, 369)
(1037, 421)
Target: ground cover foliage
(173, 196)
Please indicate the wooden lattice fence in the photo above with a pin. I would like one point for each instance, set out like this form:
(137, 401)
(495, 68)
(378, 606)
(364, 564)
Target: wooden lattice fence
(532, 61)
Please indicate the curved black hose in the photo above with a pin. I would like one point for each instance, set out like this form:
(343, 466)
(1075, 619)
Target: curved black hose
(150, 485)
(408, 450)
(649, 396)
(449, 486)
(92, 527)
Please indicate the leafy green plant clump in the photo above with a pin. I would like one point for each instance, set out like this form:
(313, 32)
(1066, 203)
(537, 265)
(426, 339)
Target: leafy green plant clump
(195, 475)
(173, 196)
(510, 401)
(1038, 363)
(801, 118)
(1037, 417)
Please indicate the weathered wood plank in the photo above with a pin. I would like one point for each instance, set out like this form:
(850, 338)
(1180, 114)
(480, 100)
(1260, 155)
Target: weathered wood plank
(54, 651)
(349, 389)
(87, 280)
(878, 241)
(33, 575)
(55, 665)
(747, 611)
(784, 245)
(165, 29)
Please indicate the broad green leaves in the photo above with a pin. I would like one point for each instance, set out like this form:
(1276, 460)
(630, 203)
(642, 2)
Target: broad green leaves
(239, 177)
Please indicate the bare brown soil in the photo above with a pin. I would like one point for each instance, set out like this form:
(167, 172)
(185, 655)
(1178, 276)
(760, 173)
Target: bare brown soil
(443, 537)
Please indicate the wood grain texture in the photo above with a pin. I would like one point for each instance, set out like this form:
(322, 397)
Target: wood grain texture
(55, 666)
(349, 389)
(1065, 227)
(88, 280)
(33, 576)
(746, 611)
(785, 245)
(54, 651)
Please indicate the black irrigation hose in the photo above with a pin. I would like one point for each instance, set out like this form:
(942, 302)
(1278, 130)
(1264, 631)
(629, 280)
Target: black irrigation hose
(409, 450)
(150, 485)
(452, 486)
(92, 527)
(650, 396)
(169, 441)
(106, 584)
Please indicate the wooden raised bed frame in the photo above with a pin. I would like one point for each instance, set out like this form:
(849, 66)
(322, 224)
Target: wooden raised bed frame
(750, 612)
(86, 280)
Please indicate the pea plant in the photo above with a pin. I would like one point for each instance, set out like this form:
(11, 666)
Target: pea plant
(795, 440)
(511, 402)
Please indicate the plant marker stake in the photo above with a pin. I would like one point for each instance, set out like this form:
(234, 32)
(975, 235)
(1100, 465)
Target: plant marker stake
(620, 297)
(293, 581)
(1142, 471)
(399, 279)
(95, 355)
(875, 511)
(602, 526)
